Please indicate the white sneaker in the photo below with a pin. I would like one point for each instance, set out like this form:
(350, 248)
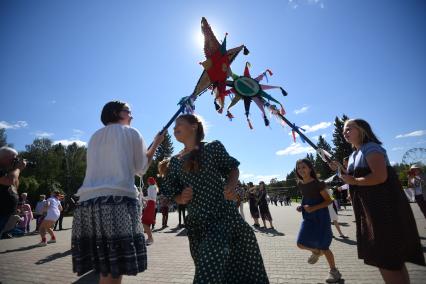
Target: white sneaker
(149, 242)
(51, 241)
(314, 258)
(41, 244)
(334, 276)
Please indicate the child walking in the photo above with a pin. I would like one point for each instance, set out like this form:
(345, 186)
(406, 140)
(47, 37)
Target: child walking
(333, 215)
(315, 232)
(54, 209)
(148, 215)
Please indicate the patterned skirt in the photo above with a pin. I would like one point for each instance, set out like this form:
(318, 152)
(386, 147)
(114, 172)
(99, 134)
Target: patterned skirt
(107, 237)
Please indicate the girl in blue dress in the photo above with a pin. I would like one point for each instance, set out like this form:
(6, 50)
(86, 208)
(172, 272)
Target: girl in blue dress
(315, 232)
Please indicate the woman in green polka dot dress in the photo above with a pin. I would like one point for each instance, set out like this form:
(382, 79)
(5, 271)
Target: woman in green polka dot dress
(204, 176)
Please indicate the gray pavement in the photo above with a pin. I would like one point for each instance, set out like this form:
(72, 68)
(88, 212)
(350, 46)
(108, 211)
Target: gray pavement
(169, 260)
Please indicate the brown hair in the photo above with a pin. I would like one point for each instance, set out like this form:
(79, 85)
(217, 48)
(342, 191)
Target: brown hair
(111, 112)
(192, 164)
(310, 166)
(163, 167)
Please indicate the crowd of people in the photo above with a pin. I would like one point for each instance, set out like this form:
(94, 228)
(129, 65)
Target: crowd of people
(203, 180)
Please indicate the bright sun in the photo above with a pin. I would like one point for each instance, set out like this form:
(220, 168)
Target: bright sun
(199, 39)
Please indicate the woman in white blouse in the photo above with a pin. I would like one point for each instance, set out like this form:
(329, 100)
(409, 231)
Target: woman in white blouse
(107, 234)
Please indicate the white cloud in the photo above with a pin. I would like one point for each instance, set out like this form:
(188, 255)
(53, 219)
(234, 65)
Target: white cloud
(416, 133)
(247, 177)
(295, 3)
(397, 148)
(393, 163)
(43, 134)
(266, 178)
(301, 110)
(17, 125)
(294, 149)
(67, 142)
(313, 128)
(77, 133)
(316, 127)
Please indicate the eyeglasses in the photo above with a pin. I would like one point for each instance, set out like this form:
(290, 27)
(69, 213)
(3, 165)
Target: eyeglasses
(126, 110)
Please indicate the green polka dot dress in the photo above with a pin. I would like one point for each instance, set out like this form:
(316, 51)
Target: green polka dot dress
(223, 246)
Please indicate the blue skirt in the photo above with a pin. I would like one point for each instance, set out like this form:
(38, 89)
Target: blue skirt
(315, 231)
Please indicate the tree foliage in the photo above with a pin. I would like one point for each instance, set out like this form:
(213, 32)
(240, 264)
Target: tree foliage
(3, 137)
(56, 167)
(341, 148)
(322, 169)
(164, 151)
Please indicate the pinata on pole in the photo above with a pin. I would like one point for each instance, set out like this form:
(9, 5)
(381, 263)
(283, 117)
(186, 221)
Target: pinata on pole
(249, 89)
(216, 71)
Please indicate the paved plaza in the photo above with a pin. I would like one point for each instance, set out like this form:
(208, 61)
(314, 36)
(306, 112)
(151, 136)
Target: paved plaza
(169, 260)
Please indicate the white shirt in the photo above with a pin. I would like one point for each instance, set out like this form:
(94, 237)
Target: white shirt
(54, 204)
(152, 193)
(417, 185)
(115, 154)
(344, 187)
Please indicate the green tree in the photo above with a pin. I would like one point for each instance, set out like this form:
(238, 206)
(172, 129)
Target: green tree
(342, 148)
(402, 172)
(164, 151)
(3, 137)
(322, 169)
(48, 166)
(310, 157)
(31, 186)
(291, 179)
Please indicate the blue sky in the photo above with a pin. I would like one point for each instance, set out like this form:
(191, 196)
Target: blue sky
(61, 61)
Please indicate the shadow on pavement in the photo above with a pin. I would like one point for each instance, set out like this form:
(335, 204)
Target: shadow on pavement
(179, 232)
(183, 233)
(88, 278)
(53, 257)
(20, 249)
(270, 232)
(346, 241)
(159, 229)
(341, 281)
(343, 224)
(63, 229)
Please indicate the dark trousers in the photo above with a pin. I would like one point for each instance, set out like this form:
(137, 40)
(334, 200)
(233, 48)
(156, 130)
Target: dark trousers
(421, 203)
(59, 222)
